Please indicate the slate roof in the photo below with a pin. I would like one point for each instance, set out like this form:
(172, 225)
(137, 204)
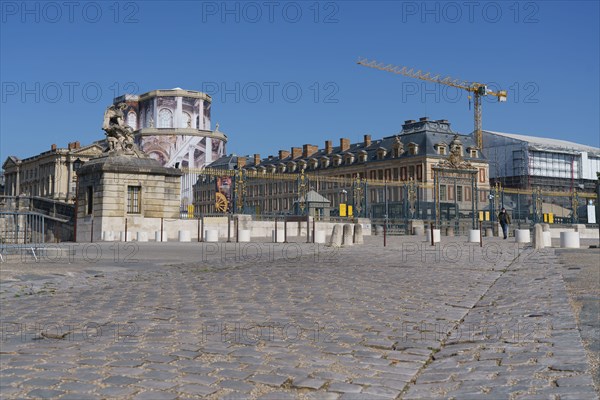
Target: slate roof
(425, 133)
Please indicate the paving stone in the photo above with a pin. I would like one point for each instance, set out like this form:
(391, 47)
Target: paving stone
(119, 380)
(344, 388)
(271, 380)
(196, 390)
(236, 385)
(45, 393)
(310, 383)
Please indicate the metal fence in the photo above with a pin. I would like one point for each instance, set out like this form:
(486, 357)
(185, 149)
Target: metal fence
(35, 220)
(450, 201)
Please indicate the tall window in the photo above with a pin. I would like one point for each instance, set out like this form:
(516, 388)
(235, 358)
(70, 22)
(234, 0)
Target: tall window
(442, 192)
(134, 199)
(186, 120)
(90, 200)
(165, 118)
(132, 120)
(459, 193)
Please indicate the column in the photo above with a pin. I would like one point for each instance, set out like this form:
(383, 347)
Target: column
(178, 117)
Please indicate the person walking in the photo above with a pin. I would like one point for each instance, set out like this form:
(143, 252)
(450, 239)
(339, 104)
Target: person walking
(504, 220)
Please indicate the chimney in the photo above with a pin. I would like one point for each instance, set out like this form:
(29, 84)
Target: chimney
(309, 150)
(328, 147)
(296, 152)
(422, 119)
(53, 147)
(256, 159)
(367, 140)
(77, 144)
(241, 162)
(409, 121)
(283, 154)
(344, 144)
(270, 157)
(70, 146)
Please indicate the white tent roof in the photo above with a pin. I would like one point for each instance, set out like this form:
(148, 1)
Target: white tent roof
(548, 143)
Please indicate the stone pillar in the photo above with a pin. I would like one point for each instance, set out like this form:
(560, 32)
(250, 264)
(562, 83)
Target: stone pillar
(348, 237)
(336, 236)
(538, 237)
(358, 234)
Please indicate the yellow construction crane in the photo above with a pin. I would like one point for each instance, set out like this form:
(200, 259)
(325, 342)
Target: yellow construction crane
(478, 89)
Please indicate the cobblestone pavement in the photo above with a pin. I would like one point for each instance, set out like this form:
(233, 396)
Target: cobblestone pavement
(264, 321)
(581, 272)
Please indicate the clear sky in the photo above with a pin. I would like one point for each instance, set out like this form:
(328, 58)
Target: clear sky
(284, 74)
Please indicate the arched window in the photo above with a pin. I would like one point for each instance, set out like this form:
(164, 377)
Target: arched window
(132, 120)
(149, 118)
(165, 118)
(186, 120)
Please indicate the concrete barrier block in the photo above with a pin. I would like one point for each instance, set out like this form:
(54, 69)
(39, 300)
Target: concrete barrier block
(157, 236)
(569, 240)
(474, 235)
(522, 236)
(184, 236)
(320, 236)
(142, 236)
(358, 234)
(280, 236)
(336, 236)
(244, 235)
(211, 235)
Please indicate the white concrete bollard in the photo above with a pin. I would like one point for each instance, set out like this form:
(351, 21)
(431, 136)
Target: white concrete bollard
(142, 236)
(184, 236)
(348, 236)
(280, 236)
(474, 235)
(450, 231)
(211, 235)
(547, 235)
(569, 240)
(123, 238)
(522, 236)
(336, 236)
(157, 236)
(437, 235)
(489, 232)
(244, 235)
(111, 236)
(320, 237)
(358, 234)
(538, 237)
(418, 231)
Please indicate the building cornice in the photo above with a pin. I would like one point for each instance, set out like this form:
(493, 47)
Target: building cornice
(175, 93)
(181, 131)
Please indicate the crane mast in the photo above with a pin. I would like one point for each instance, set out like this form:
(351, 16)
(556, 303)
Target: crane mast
(477, 89)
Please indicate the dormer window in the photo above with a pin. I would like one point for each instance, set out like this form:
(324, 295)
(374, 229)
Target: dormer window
(397, 148)
(362, 156)
(301, 165)
(281, 168)
(441, 149)
(381, 153)
(313, 163)
(291, 166)
(324, 162)
(413, 149)
(337, 160)
(271, 169)
(473, 153)
(261, 169)
(348, 158)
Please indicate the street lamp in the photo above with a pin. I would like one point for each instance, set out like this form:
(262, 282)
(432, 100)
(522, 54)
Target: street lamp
(76, 165)
(343, 205)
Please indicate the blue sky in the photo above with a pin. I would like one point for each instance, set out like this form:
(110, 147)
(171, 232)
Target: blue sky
(283, 74)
